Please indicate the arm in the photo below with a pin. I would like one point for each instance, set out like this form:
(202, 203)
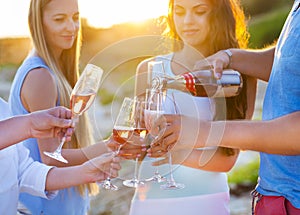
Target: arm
(211, 160)
(91, 171)
(278, 136)
(41, 124)
(254, 63)
(35, 177)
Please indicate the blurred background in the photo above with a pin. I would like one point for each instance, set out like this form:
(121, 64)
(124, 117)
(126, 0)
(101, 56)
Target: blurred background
(115, 35)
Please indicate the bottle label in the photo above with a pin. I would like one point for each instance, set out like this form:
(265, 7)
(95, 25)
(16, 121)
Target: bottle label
(189, 82)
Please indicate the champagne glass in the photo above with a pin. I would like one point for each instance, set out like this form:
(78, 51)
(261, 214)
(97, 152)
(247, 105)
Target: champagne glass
(122, 131)
(171, 183)
(155, 71)
(141, 132)
(82, 97)
(153, 111)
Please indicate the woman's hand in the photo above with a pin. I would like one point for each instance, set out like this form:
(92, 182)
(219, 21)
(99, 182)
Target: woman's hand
(136, 146)
(99, 168)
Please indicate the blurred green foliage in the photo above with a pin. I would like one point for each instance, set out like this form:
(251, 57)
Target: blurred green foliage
(246, 174)
(255, 7)
(265, 29)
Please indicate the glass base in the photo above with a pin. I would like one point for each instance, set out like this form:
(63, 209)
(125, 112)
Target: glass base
(157, 178)
(172, 186)
(56, 156)
(133, 183)
(108, 185)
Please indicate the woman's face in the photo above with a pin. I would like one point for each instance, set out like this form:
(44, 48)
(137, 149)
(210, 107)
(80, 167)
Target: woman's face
(61, 23)
(191, 21)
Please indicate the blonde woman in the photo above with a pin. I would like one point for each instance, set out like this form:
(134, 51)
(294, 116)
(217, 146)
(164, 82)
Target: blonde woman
(44, 80)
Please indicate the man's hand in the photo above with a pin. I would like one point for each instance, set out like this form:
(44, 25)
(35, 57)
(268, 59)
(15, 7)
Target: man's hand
(54, 122)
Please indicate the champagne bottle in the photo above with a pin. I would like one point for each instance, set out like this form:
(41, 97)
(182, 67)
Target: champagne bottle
(202, 83)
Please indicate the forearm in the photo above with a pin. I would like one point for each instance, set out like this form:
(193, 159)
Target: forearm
(211, 160)
(257, 64)
(279, 136)
(60, 178)
(77, 156)
(14, 130)
(94, 150)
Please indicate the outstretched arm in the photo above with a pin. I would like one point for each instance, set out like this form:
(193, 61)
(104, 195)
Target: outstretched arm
(91, 171)
(255, 63)
(278, 136)
(54, 122)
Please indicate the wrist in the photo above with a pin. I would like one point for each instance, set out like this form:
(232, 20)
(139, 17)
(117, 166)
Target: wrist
(25, 122)
(229, 54)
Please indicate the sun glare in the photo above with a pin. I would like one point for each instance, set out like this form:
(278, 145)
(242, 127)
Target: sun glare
(100, 14)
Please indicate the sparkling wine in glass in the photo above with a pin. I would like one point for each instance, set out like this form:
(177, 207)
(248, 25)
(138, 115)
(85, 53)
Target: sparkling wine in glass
(122, 132)
(81, 99)
(171, 184)
(153, 111)
(141, 132)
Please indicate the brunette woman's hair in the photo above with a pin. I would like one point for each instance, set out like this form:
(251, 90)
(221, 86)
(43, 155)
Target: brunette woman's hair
(227, 29)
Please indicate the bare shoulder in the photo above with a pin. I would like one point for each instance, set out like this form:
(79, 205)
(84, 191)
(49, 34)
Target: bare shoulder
(39, 90)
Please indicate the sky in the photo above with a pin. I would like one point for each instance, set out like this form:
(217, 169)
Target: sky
(100, 13)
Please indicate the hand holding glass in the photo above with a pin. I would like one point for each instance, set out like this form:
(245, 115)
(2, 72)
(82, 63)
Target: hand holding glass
(82, 97)
(153, 111)
(140, 135)
(171, 183)
(122, 131)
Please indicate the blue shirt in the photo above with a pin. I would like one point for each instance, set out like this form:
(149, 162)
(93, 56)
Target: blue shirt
(68, 201)
(279, 175)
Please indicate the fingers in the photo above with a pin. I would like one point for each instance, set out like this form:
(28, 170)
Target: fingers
(158, 148)
(218, 62)
(133, 153)
(160, 162)
(107, 164)
(60, 117)
(64, 112)
(114, 167)
(202, 64)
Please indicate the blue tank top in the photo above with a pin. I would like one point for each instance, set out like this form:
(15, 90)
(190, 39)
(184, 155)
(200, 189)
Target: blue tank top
(68, 201)
(279, 175)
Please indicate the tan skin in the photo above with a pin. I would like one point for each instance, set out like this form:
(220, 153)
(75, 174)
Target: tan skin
(94, 170)
(54, 122)
(39, 90)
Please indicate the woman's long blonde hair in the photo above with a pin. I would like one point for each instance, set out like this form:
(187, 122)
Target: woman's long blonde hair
(66, 72)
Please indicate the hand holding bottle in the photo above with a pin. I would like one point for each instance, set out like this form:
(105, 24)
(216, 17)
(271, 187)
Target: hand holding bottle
(217, 62)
